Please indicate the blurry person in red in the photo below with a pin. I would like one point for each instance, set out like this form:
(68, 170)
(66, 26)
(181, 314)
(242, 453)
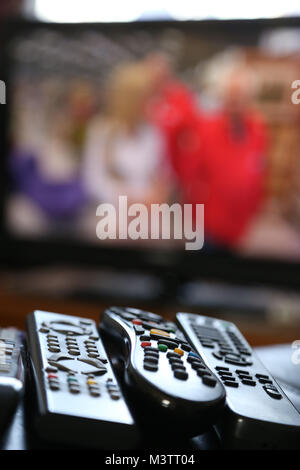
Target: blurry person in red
(229, 174)
(173, 109)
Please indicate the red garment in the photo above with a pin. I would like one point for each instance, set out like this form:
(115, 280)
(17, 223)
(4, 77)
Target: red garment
(229, 176)
(175, 113)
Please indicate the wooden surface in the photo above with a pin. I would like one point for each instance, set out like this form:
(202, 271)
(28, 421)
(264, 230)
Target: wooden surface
(14, 308)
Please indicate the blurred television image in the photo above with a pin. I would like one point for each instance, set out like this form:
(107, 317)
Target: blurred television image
(161, 114)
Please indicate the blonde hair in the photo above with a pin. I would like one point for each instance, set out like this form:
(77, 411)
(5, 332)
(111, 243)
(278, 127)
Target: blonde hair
(126, 92)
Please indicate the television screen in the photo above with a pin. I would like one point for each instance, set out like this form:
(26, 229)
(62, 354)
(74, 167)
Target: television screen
(110, 126)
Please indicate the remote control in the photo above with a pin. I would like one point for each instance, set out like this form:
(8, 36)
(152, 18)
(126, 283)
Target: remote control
(167, 377)
(258, 413)
(11, 372)
(79, 400)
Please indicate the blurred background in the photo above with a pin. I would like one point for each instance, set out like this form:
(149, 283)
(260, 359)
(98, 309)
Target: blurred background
(164, 103)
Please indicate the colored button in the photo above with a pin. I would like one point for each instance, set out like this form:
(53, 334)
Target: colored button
(52, 376)
(192, 354)
(91, 382)
(179, 351)
(144, 344)
(72, 380)
(137, 322)
(163, 347)
(153, 331)
(169, 343)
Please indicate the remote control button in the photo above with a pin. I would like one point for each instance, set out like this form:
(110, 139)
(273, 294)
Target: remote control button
(94, 338)
(153, 359)
(51, 369)
(217, 356)
(72, 379)
(54, 386)
(169, 343)
(145, 338)
(145, 344)
(173, 355)
(150, 349)
(93, 355)
(222, 368)
(202, 373)
(248, 382)
(44, 330)
(265, 381)
(137, 322)
(207, 345)
(55, 350)
(197, 366)
(159, 333)
(115, 396)
(224, 373)
(91, 382)
(94, 391)
(230, 383)
(185, 347)
(74, 352)
(272, 392)
(262, 376)
(151, 367)
(209, 380)
(179, 351)
(242, 372)
(138, 330)
(74, 390)
(52, 376)
(192, 354)
(163, 347)
(177, 367)
(180, 374)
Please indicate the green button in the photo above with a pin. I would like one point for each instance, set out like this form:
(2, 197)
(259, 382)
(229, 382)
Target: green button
(71, 379)
(163, 347)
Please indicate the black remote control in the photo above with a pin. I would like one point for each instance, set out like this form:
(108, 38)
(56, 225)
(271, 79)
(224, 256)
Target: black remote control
(79, 400)
(11, 372)
(166, 376)
(258, 413)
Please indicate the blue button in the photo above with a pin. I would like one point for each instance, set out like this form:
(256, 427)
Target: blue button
(192, 354)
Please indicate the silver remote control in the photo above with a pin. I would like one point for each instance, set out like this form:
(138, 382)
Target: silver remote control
(258, 413)
(79, 399)
(11, 372)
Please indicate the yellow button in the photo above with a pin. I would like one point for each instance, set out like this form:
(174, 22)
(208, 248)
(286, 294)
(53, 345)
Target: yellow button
(179, 351)
(91, 382)
(159, 332)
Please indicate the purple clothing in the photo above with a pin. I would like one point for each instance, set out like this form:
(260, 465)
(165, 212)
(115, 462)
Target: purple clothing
(57, 200)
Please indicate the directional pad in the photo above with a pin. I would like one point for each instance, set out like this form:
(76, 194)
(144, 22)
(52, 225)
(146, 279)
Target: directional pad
(80, 365)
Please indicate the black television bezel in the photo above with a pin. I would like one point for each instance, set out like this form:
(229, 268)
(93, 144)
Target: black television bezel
(22, 252)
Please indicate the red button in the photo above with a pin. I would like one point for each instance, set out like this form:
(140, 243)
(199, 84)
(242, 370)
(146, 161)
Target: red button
(137, 322)
(145, 344)
(52, 376)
